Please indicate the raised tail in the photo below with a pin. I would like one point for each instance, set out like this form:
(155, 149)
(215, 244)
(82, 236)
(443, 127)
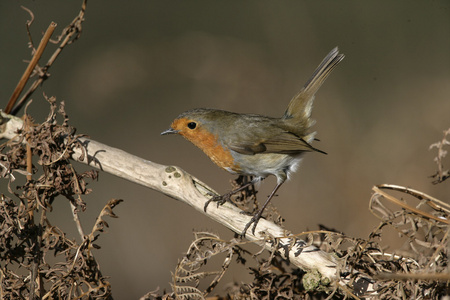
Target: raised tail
(298, 112)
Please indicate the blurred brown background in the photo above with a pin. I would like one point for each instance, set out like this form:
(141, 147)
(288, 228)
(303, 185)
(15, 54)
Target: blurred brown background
(139, 64)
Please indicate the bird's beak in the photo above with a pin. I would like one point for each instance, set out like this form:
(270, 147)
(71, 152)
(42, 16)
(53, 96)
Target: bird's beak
(169, 131)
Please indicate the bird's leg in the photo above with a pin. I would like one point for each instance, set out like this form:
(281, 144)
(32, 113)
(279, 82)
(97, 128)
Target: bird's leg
(255, 219)
(225, 197)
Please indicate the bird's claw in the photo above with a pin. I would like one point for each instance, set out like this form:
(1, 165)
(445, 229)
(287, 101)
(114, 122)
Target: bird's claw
(219, 199)
(254, 220)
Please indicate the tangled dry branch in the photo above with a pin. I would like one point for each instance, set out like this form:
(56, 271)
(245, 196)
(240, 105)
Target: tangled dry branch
(29, 240)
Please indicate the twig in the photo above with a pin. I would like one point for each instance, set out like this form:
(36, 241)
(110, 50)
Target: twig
(402, 204)
(70, 34)
(30, 68)
(73, 208)
(29, 152)
(28, 25)
(441, 175)
(76, 218)
(431, 201)
(417, 276)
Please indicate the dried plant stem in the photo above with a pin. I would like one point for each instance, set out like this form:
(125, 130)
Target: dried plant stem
(26, 75)
(434, 202)
(73, 209)
(29, 163)
(29, 152)
(76, 219)
(70, 34)
(419, 276)
(441, 174)
(378, 191)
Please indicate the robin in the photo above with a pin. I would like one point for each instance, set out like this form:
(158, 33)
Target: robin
(255, 145)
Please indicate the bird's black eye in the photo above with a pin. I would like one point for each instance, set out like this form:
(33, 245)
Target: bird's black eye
(192, 125)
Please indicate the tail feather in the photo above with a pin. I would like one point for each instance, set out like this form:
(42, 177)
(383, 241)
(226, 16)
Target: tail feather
(298, 111)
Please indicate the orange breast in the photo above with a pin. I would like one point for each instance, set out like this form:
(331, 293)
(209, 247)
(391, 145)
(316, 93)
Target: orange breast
(209, 144)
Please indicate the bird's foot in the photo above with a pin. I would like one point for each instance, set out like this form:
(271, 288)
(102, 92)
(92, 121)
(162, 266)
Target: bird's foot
(220, 200)
(227, 197)
(254, 220)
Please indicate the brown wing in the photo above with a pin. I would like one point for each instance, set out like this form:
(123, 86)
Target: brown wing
(283, 143)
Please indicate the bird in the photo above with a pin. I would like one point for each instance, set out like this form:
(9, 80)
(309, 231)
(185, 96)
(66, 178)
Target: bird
(257, 145)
